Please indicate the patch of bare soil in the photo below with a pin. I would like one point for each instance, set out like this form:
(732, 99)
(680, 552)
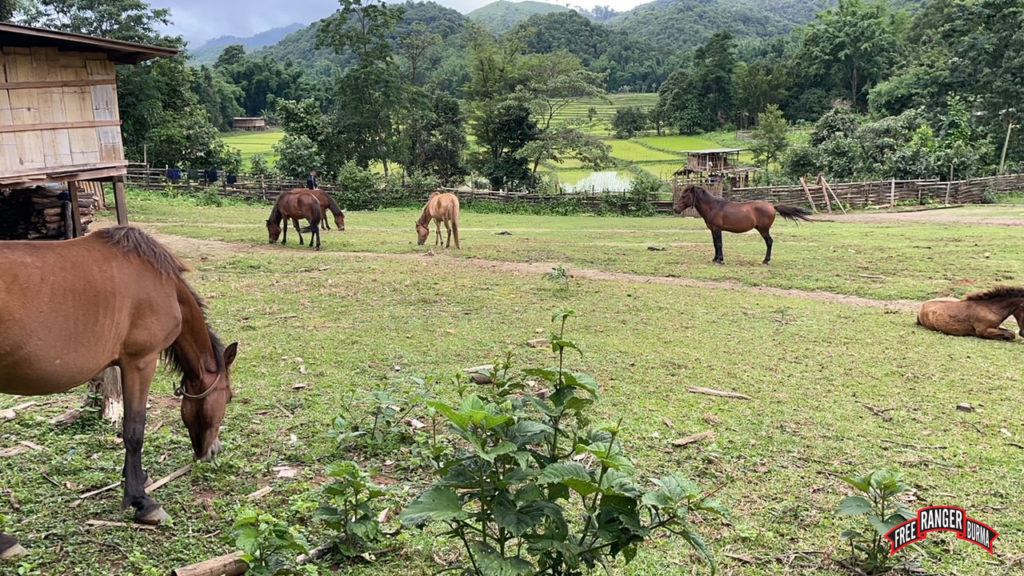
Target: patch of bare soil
(937, 215)
(182, 245)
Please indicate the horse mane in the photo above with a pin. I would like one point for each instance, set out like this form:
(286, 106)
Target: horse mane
(136, 243)
(332, 204)
(997, 293)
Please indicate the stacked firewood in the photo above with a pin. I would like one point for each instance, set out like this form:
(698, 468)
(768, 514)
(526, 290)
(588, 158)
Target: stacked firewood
(43, 212)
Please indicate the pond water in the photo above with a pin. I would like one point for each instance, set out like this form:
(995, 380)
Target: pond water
(612, 180)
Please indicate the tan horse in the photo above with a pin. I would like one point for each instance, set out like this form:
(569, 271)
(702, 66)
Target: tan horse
(440, 208)
(978, 314)
(116, 297)
(327, 202)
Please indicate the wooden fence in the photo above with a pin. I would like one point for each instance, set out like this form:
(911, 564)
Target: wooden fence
(853, 194)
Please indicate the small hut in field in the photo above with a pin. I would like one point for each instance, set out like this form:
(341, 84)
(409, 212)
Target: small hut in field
(714, 170)
(60, 128)
(249, 123)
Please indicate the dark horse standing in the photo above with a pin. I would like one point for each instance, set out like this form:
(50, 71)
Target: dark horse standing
(113, 298)
(295, 206)
(721, 214)
(327, 202)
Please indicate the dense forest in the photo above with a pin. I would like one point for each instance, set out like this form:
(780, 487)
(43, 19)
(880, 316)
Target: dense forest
(908, 90)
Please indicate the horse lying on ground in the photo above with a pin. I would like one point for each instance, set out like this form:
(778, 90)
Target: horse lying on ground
(295, 207)
(978, 314)
(116, 297)
(442, 207)
(327, 203)
(721, 214)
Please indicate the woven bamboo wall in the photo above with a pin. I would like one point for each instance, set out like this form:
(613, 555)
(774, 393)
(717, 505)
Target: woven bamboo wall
(58, 112)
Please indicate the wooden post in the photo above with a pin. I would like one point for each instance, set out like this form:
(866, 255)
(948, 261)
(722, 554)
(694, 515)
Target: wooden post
(821, 182)
(803, 182)
(892, 195)
(107, 385)
(828, 190)
(76, 215)
(119, 201)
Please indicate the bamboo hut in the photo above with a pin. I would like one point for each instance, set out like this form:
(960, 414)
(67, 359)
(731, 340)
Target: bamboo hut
(59, 120)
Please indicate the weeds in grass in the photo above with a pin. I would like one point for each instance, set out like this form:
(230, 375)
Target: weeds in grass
(349, 511)
(534, 489)
(269, 545)
(877, 503)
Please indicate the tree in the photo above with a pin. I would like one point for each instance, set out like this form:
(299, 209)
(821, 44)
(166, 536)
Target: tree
(770, 137)
(855, 44)
(129, 20)
(232, 55)
(628, 121)
(8, 8)
(502, 128)
(370, 94)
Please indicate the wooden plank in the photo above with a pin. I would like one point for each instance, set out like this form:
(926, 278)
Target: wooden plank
(76, 215)
(59, 125)
(34, 84)
(6, 119)
(119, 202)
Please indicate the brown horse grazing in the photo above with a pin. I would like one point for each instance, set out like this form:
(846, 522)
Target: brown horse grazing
(295, 207)
(721, 214)
(327, 202)
(440, 208)
(116, 297)
(978, 314)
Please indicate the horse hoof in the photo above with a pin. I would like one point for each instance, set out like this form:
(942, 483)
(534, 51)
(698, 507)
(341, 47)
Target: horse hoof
(154, 517)
(12, 549)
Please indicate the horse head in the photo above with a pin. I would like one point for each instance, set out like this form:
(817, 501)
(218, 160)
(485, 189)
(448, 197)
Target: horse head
(422, 232)
(274, 230)
(203, 411)
(684, 199)
(339, 221)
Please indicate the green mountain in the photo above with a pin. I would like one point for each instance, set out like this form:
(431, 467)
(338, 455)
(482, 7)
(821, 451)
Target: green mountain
(501, 16)
(300, 46)
(685, 24)
(211, 49)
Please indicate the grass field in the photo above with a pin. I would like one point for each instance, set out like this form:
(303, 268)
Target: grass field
(252, 143)
(839, 386)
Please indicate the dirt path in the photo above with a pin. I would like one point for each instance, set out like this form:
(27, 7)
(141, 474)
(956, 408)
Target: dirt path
(183, 245)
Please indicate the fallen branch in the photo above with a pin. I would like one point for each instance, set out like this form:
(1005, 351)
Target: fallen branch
(260, 493)
(172, 476)
(314, 554)
(99, 490)
(914, 446)
(712, 392)
(695, 438)
(226, 565)
(880, 412)
(105, 524)
(740, 557)
(69, 417)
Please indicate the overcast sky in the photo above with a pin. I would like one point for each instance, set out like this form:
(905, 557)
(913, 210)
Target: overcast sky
(201, 20)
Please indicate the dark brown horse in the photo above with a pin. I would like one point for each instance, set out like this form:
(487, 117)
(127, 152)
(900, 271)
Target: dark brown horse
(978, 314)
(116, 297)
(327, 202)
(295, 207)
(720, 214)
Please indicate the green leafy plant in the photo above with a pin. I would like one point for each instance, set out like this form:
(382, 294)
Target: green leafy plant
(269, 545)
(378, 424)
(876, 502)
(534, 489)
(349, 510)
(558, 276)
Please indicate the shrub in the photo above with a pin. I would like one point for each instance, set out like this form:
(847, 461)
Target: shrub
(535, 488)
(876, 502)
(268, 545)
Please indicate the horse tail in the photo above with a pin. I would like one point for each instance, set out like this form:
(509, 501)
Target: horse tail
(793, 213)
